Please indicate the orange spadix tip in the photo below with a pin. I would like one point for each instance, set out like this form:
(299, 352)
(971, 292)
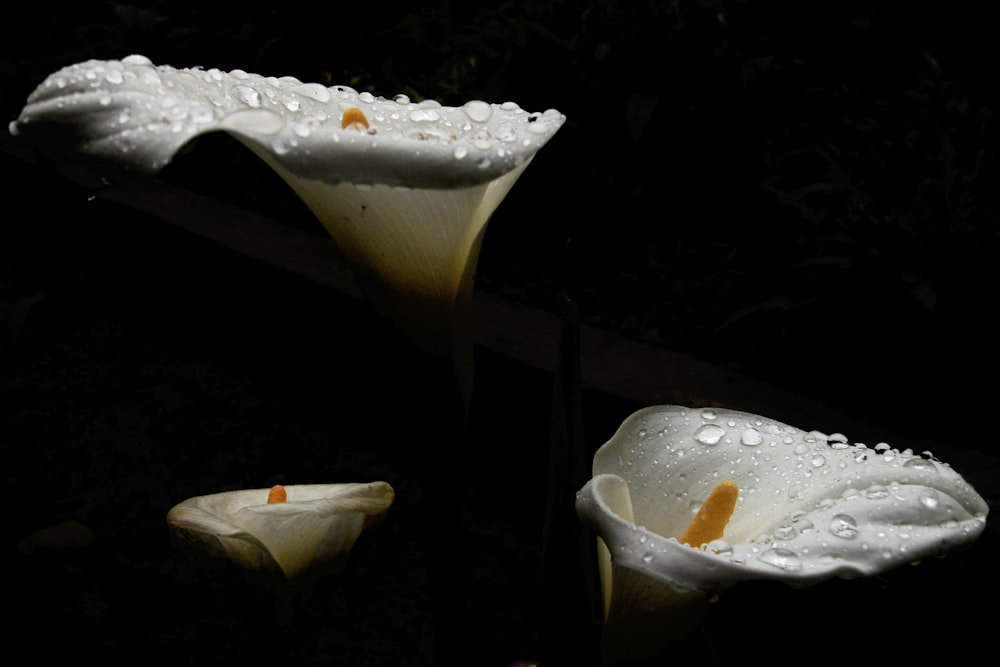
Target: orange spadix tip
(713, 515)
(354, 118)
(277, 494)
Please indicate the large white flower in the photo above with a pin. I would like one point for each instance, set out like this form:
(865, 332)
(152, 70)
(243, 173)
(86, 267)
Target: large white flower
(405, 189)
(281, 536)
(774, 502)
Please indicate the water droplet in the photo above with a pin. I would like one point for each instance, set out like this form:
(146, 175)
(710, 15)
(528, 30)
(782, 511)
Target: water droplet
(506, 133)
(844, 525)
(460, 152)
(247, 96)
(818, 461)
(920, 464)
(313, 91)
(785, 532)
(876, 492)
(709, 415)
(709, 434)
(115, 76)
(401, 99)
(930, 499)
(648, 557)
(783, 559)
(137, 60)
(424, 115)
(478, 110)
(803, 525)
(751, 437)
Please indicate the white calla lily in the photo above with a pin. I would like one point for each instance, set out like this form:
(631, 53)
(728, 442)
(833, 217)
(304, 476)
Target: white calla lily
(809, 507)
(281, 542)
(405, 189)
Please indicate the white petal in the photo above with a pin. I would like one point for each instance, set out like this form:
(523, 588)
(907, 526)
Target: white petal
(318, 524)
(138, 114)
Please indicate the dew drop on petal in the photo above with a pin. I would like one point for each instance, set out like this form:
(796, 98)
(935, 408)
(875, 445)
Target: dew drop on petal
(460, 152)
(478, 110)
(709, 434)
(506, 133)
(709, 415)
(424, 115)
(930, 499)
(751, 437)
(876, 492)
(247, 96)
(920, 464)
(648, 557)
(137, 60)
(844, 525)
(314, 91)
(784, 559)
(785, 532)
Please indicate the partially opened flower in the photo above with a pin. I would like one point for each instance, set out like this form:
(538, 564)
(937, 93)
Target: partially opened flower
(687, 502)
(405, 189)
(285, 537)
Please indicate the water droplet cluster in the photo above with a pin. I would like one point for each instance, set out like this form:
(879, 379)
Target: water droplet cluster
(151, 111)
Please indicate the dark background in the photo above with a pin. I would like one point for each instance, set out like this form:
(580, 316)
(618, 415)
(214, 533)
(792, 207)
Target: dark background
(804, 193)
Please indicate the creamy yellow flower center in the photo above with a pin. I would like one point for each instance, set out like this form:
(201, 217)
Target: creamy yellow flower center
(712, 516)
(277, 494)
(355, 119)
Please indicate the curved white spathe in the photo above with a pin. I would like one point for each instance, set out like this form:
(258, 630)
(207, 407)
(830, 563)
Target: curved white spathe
(310, 533)
(404, 188)
(810, 507)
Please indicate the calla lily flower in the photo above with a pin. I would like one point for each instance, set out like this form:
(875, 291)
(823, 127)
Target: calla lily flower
(404, 188)
(285, 537)
(688, 502)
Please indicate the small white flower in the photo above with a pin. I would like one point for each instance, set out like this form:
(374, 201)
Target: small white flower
(285, 535)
